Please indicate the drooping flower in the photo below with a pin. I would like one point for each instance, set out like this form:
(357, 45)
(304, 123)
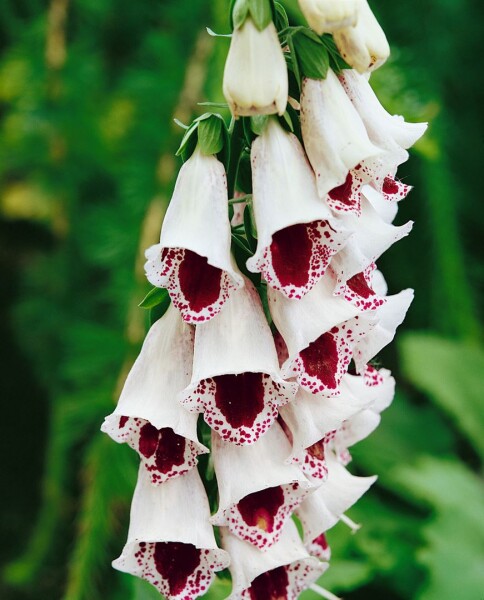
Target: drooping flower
(365, 46)
(170, 540)
(310, 421)
(323, 509)
(148, 416)
(389, 132)
(320, 331)
(255, 76)
(257, 490)
(193, 259)
(296, 231)
(326, 16)
(335, 139)
(360, 289)
(377, 389)
(372, 236)
(236, 381)
(282, 571)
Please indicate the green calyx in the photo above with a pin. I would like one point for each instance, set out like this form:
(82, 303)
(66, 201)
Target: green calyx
(209, 131)
(260, 11)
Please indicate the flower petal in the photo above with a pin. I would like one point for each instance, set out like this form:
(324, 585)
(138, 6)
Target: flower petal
(148, 416)
(360, 292)
(193, 259)
(326, 16)
(285, 569)
(258, 491)
(323, 508)
(236, 380)
(170, 541)
(296, 234)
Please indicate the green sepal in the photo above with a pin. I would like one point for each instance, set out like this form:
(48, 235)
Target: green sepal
(290, 121)
(258, 123)
(311, 54)
(210, 135)
(154, 297)
(210, 132)
(260, 12)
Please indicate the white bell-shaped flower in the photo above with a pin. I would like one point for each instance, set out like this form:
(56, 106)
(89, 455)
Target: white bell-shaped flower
(258, 491)
(372, 236)
(193, 260)
(320, 331)
(389, 132)
(236, 380)
(326, 16)
(255, 76)
(334, 136)
(365, 46)
(324, 508)
(377, 387)
(282, 571)
(148, 416)
(170, 540)
(310, 420)
(295, 228)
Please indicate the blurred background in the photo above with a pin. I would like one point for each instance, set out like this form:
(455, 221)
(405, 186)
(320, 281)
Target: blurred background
(88, 92)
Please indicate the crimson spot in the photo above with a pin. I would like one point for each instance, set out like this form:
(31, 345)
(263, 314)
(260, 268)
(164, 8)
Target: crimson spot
(240, 398)
(291, 251)
(200, 283)
(390, 186)
(320, 359)
(271, 585)
(359, 286)
(342, 193)
(260, 508)
(175, 562)
(317, 450)
(169, 447)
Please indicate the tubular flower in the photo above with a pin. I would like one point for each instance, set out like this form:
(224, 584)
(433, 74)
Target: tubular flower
(282, 571)
(320, 331)
(335, 139)
(236, 381)
(327, 16)
(296, 231)
(255, 76)
(360, 289)
(324, 508)
(148, 416)
(193, 259)
(364, 47)
(391, 133)
(170, 541)
(256, 507)
(378, 388)
(310, 421)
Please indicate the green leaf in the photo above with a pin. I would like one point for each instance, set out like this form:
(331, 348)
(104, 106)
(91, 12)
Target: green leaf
(154, 297)
(188, 143)
(336, 61)
(281, 20)
(156, 312)
(261, 13)
(311, 54)
(250, 229)
(450, 372)
(210, 135)
(454, 537)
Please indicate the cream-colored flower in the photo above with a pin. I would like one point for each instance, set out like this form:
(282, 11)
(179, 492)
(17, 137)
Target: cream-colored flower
(365, 46)
(327, 16)
(255, 76)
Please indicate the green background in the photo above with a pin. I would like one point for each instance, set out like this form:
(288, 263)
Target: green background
(88, 92)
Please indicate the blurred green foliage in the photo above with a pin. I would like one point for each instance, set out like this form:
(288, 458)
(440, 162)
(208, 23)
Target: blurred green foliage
(88, 91)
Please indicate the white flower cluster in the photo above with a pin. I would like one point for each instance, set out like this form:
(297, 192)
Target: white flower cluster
(282, 406)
